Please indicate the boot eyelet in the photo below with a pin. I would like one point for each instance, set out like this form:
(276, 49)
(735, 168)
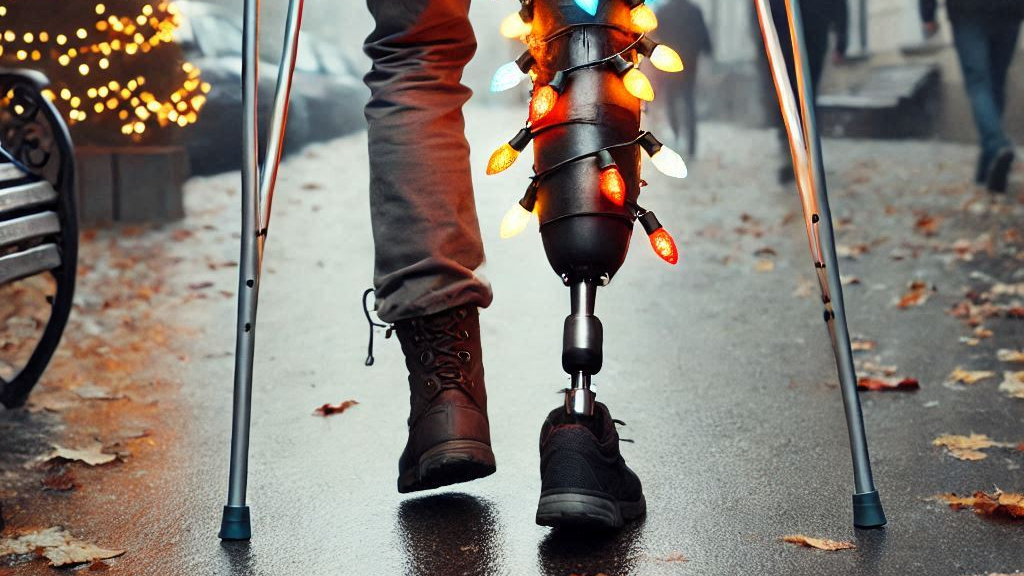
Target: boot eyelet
(464, 334)
(430, 384)
(426, 358)
(465, 356)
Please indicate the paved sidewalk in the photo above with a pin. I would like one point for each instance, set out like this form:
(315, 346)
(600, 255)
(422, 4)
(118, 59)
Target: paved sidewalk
(720, 366)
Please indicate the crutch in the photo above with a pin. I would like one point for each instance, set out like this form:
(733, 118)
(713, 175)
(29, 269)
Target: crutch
(805, 144)
(257, 198)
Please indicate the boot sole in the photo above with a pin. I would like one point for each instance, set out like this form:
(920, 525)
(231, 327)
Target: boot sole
(587, 511)
(448, 463)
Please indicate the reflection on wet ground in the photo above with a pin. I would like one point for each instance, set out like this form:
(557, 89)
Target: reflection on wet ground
(450, 534)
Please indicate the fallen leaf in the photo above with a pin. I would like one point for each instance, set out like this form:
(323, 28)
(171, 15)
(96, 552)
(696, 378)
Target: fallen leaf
(927, 225)
(764, 265)
(982, 332)
(852, 251)
(91, 455)
(969, 376)
(999, 503)
(881, 383)
(56, 545)
(1000, 289)
(862, 345)
(1013, 384)
(819, 543)
(917, 294)
(849, 280)
(200, 285)
(968, 447)
(329, 409)
(1010, 355)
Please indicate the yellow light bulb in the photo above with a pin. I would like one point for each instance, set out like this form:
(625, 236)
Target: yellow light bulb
(514, 27)
(643, 19)
(502, 159)
(638, 85)
(666, 59)
(515, 221)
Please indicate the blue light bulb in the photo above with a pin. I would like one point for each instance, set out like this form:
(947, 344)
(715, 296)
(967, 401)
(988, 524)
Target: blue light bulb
(588, 6)
(507, 77)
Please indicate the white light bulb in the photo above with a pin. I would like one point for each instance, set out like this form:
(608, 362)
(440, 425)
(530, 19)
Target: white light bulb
(507, 77)
(668, 162)
(515, 221)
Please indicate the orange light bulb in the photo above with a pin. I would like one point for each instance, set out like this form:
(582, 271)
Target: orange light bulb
(613, 186)
(502, 159)
(543, 101)
(643, 19)
(638, 85)
(664, 246)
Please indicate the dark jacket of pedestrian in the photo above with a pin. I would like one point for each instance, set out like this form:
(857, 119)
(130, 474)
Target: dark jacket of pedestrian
(1001, 8)
(683, 29)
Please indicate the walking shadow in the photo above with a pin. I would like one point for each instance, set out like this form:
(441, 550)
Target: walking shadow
(587, 552)
(449, 534)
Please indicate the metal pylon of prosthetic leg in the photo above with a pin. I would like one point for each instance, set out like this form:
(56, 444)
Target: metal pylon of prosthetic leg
(257, 198)
(582, 348)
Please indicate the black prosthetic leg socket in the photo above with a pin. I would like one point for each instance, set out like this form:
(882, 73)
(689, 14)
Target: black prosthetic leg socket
(235, 525)
(867, 510)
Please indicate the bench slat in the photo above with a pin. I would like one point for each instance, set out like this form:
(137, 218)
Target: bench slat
(9, 171)
(26, 196)
(28, 227)
(28, 263)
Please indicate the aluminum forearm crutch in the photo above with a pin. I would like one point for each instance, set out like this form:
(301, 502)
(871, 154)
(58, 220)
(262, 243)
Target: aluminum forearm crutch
(257, 199)
(805, 144)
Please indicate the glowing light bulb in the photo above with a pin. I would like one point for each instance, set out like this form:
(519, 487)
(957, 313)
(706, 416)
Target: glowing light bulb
(668, 162)
(502, 159)
(664, 246)
(666, 59)
(613, 186)
(638, 85)
(543, 101)
(506, 77)
(515, 221)
(643, 19)
(588, 6)
(513, 26)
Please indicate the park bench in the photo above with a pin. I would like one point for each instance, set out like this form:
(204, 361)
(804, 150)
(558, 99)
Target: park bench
(38, 220)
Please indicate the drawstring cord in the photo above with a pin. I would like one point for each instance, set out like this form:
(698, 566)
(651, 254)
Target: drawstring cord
(369, 320)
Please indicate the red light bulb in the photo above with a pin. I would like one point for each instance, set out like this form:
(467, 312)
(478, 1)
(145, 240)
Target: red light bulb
(664, 246)
(613, 186)
(543, 101)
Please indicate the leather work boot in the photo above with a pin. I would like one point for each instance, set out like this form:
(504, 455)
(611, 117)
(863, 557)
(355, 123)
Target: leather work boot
(584, 480)
(449, 435)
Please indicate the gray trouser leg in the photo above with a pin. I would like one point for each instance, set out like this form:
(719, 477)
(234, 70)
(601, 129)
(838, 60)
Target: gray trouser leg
(425, 228)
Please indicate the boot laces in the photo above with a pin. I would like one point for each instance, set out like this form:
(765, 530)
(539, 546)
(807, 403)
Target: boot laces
(436, 338)
(369, 320)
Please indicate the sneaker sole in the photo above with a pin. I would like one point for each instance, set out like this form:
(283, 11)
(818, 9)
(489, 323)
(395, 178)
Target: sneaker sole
(999, 175)
(448, 463)
(587, 511)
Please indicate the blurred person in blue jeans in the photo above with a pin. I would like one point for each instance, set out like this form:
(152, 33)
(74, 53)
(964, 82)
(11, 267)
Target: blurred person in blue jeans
(985, 34)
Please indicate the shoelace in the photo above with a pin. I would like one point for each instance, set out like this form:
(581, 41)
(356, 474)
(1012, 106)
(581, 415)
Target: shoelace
(369, 320)
(437, 336)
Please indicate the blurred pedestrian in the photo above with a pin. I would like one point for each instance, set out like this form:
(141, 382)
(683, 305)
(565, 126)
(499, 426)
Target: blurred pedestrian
(985, 35)
(683, 27)
(820, 18)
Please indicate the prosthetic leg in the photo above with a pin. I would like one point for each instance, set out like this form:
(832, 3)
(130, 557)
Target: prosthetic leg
(257, 198)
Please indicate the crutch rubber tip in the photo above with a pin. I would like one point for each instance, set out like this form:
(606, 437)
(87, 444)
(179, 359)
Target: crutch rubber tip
(867, 510)
(235, 523)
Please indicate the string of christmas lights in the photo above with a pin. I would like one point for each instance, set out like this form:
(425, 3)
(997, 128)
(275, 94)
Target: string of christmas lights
(544, 98)
(87, 49)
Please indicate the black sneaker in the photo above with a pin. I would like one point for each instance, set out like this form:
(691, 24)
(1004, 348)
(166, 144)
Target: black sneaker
(999, 171)
(449, 434)
(584, 480)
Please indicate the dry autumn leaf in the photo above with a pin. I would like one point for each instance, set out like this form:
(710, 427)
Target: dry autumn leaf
(999, 503)
(862, 344)
(331, 409)
(1013, 384)
(56, 545)
(969, 376)
(968, 447)
(1010, 355)
(917, 293)
(59, 479)
(92, 455)
(819, 543)
(764, 265)
(881, 383)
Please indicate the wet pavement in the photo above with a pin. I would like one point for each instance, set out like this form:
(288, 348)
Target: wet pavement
(720, 366)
